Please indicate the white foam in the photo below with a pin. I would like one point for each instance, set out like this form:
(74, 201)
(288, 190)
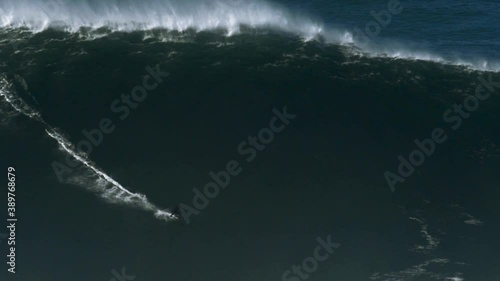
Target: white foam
(106, 186)
(177, 15)
(16, 102)
(202, 15)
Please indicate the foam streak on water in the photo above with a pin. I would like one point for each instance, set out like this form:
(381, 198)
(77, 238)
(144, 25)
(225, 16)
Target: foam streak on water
(105, 185)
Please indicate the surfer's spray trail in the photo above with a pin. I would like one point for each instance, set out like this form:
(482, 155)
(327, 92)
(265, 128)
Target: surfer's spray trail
(103, 184)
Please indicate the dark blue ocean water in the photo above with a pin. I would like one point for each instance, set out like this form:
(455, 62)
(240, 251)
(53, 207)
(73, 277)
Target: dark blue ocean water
(455, 28)
(234, 68)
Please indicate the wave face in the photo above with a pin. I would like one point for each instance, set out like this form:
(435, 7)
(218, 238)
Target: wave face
(358, 107)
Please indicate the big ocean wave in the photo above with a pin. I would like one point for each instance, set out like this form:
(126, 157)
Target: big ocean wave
(61, 40)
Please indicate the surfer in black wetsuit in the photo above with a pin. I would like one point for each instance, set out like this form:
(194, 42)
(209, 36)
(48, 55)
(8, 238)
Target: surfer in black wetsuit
(176, 213)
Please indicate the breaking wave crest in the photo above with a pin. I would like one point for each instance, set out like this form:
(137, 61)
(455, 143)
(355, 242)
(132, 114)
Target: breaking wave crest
(99, 181)
(229, 16)
(175, 15)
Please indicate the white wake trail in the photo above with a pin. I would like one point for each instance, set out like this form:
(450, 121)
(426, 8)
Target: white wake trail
(111, 190)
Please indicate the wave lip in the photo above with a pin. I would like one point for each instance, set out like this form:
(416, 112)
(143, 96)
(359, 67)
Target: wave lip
(204, 15)
(129, 15)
